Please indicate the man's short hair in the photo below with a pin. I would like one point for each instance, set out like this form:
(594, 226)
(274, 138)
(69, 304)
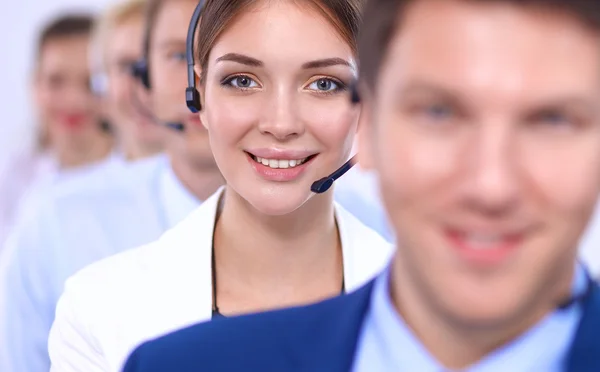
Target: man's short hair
(383, 17)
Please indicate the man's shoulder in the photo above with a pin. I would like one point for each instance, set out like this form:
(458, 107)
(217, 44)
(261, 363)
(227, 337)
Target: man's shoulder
(586, 345)
(273, 340)
(112, 178)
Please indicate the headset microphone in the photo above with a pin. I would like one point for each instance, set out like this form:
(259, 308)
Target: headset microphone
(180, 127)
(325, 183)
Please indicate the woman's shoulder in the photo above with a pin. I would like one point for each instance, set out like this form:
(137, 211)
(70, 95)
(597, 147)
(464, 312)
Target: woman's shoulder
(183, 248)
(351, 226)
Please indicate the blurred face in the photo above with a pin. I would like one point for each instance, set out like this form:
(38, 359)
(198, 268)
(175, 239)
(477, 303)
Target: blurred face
(485, 133)
(66, 105)
(276, 106)
(168, 76)
(123, 49)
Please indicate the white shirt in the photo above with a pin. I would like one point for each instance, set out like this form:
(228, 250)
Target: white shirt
(22, 175)
(85, 220)
(112, 306)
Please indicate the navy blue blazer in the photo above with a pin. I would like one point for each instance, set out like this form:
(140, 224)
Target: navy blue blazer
(315, 338)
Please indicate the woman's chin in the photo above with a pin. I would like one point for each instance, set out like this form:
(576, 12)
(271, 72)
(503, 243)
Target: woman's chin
(273, 202)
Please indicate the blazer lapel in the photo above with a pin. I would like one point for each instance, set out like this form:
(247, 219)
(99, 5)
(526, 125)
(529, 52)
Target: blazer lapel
(585, 352)
(326, 337)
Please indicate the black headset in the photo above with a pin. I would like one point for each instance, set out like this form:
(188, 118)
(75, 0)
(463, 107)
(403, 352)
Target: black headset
(192, 96)
(140, 69)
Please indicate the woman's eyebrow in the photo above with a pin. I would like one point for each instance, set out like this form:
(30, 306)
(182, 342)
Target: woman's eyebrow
(253, 62)
(240, 58)
(326, 62)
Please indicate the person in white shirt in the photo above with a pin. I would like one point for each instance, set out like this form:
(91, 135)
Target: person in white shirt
(274, 80)
(70, 132)
(93, 216)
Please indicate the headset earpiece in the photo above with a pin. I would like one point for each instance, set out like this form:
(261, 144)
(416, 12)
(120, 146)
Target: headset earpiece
(192, 99)
(192, 96)
(354, 96)
(140, 72)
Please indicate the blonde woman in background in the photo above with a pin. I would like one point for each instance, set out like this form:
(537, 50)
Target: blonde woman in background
(117, 46)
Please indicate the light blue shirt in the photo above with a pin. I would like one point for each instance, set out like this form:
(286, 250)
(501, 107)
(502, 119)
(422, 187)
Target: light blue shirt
(85, 220)
(358, 192)
(387, 344)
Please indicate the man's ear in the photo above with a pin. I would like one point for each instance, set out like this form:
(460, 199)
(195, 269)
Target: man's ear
(365, 131)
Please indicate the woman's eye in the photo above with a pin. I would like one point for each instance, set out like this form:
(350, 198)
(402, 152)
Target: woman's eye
(241, 81)
(324, 85)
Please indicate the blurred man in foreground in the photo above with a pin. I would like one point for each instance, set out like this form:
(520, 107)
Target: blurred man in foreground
(482, 120)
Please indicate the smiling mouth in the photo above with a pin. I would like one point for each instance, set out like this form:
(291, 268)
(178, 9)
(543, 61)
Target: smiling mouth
(281, 163)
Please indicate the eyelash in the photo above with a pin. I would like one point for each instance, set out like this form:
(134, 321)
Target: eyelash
(340, 86)
(227, 82)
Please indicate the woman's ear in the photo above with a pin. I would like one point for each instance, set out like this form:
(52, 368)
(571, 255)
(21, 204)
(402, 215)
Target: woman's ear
(198, 73)
(201, 90)
(198, 77)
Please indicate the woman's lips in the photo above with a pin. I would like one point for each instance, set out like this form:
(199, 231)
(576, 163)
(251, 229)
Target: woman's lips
(73, 121)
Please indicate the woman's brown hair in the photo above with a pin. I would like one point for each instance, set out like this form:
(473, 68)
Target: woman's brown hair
(344, 15)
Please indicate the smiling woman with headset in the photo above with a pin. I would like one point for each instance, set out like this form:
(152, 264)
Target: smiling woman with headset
(273, 78)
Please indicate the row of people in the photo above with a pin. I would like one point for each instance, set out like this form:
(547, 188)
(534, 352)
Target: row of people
(116, 208)
(482, 121)
(478, 119)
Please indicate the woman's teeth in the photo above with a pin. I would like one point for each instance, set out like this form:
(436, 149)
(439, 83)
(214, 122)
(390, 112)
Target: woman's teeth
(275, 164)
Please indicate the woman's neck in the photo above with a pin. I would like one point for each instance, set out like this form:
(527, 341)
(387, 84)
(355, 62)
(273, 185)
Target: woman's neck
(271, 261)
(200, 181)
